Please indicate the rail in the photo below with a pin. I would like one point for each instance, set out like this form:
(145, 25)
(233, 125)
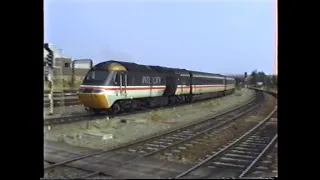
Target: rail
(172, 138)
(274, 94)
(257, 131)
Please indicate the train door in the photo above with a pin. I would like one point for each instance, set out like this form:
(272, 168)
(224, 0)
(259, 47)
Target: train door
(225, 83)
(191, 83)
(184, 85)
(156, 82)
(180, 85)
(123, 84)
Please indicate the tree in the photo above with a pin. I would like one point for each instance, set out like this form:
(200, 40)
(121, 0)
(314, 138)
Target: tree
(253, 75)
(260, 77)
(275, 80)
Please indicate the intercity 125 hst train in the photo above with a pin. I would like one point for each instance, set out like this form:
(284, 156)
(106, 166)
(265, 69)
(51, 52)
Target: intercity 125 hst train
(114, 86)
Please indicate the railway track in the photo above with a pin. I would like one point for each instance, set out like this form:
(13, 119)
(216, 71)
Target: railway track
(70, 99)
(187, 135)
(74, 94)
(67, 102)
(69, 119)
(76, 172)
(183, 135)
(89, 117)
(266, 166)
(239, 158)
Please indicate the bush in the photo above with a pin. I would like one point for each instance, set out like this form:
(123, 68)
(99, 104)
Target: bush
(65, 83)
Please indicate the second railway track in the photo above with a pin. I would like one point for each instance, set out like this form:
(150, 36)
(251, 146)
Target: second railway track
(161, 142)
(239, 158)
(70, 99)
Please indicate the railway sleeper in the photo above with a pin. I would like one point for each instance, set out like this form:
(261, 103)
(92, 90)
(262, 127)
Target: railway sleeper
(255, 141)
(152, 148)
(266, 162)
(181, 136)
(175, 138)
(157, 145)
(251, 146)
(189, 145)
(244, 152)
(132, 150)
(254, 144)
(175, 150)
(245, 149)
(226, 165)
(235, 160)
(195, 142)
(182, 147)
(165, 139)
(240, 156)
(162, 143)
(262, 168)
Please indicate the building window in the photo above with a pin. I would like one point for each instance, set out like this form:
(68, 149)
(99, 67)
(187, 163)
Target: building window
(66, 64)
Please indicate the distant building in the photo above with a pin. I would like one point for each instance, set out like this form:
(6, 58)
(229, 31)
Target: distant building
(81, 68)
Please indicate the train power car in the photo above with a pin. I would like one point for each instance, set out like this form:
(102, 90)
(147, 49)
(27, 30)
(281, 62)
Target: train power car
(115, 86)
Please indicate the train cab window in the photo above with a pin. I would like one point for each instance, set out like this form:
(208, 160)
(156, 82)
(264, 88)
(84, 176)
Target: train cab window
(115, 78)
(96, 77)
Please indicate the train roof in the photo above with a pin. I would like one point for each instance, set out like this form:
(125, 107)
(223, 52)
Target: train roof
(129, 66)
(206, 74)
(113, 65)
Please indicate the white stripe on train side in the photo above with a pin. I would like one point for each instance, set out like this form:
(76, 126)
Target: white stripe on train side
(106, 87)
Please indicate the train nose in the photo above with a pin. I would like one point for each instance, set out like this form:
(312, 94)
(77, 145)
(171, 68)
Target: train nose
(93, 98)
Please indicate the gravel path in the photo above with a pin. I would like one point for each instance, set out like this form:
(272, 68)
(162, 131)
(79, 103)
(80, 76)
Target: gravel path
(67, 111)
(124, 129)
